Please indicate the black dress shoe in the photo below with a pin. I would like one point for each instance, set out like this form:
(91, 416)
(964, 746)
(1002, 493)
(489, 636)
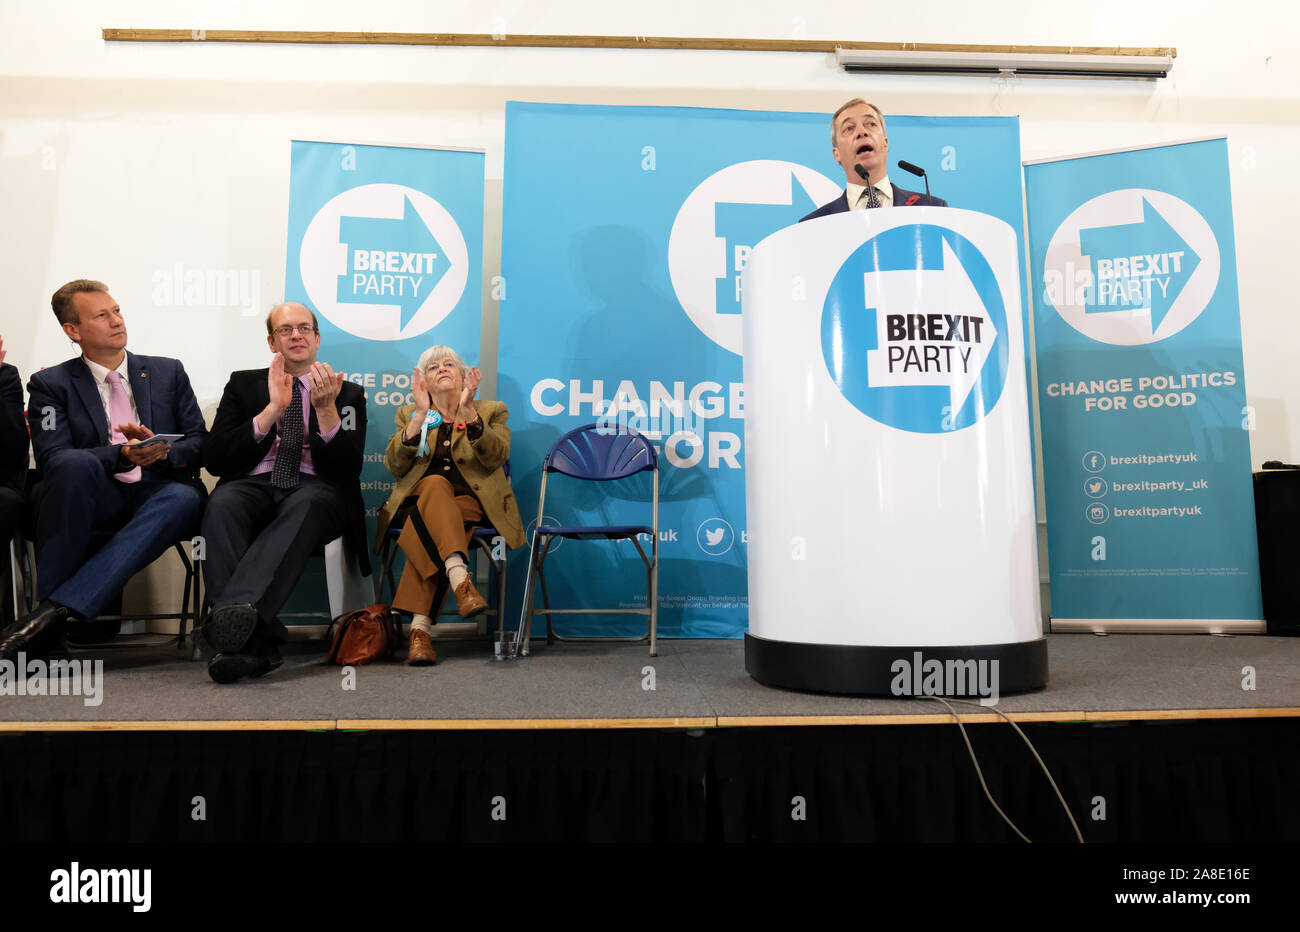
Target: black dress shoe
(259, 659)
(271, 660)
(229, 627)
(92, 631)
(227, 668)
(37, 633)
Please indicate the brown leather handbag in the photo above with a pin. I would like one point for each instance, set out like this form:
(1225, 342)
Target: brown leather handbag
(362, 636)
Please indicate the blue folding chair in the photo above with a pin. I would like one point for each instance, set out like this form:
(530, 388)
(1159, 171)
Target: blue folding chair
(595, 454)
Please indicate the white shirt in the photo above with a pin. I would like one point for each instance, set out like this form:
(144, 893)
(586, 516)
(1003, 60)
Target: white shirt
(884, 194)
(100, 375)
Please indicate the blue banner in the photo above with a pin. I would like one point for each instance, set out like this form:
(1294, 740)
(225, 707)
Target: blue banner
(1146, 455)
(624, 234)
(386, 247)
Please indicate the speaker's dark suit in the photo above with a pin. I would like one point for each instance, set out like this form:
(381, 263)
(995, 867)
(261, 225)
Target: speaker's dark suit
(77, 496)
(902, 198)
(259, 538)
(13, 454)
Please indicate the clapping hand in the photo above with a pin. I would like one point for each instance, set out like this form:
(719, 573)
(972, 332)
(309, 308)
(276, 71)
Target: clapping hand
(420, 390)
(467, 411)
(325, 386)
(279, 386)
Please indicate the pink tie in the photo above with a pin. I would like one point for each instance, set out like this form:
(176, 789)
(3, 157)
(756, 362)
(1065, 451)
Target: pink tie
(119, 412)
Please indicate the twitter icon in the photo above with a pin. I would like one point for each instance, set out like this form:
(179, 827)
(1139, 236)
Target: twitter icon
(715, 537)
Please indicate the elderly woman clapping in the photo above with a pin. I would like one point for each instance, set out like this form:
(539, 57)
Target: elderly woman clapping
(447, 454)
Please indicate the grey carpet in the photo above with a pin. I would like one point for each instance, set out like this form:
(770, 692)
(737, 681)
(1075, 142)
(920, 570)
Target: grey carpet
(692, 679)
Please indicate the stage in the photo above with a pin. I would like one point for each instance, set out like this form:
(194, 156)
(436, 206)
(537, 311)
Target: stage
(1151, 739)
(691, 684)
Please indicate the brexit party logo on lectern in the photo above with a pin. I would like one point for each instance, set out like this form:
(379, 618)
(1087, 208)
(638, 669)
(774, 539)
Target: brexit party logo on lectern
(718, 224)
(1131, 267)
(384, 262)
(914, 330)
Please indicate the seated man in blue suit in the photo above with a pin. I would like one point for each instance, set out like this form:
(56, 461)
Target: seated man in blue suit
(859, 144)
(87, 418)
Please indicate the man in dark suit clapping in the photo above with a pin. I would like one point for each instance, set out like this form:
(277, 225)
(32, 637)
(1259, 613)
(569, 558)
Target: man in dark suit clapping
(287, 444)
(99, 476)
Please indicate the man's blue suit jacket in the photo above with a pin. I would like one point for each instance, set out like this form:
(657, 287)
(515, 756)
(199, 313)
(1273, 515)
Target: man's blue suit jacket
(64, 412)
(902, 198)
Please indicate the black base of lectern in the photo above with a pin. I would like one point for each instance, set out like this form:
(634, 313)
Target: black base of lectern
(876, 671)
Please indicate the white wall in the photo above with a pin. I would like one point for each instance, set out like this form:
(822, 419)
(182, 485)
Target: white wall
(119, 160)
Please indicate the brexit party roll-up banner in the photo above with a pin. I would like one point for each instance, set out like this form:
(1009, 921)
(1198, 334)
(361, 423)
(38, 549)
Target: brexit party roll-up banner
(624, 236)
(1146, 453)
(386, 247)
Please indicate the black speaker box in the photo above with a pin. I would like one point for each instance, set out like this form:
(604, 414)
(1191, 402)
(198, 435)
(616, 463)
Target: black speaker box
(1277, 519)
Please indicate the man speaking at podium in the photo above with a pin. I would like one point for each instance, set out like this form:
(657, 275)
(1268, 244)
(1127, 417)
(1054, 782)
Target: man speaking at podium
(859, 144)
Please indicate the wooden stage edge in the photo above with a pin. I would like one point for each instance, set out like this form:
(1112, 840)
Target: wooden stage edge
(700, 722)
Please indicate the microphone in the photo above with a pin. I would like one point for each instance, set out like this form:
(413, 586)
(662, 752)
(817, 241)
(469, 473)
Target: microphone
(871, 191)
(915, 170)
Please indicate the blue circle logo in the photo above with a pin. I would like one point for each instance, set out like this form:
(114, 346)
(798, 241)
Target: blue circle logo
(914, 330)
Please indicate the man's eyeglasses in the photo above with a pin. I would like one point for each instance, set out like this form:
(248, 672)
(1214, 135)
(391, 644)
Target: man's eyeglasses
(305, 329)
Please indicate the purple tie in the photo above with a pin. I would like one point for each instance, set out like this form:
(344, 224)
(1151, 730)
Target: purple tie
(119, 412)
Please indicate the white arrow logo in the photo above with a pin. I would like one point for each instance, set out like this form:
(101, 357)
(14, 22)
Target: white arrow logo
(916, 345)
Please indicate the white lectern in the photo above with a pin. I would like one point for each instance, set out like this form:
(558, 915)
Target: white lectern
(888, 474)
